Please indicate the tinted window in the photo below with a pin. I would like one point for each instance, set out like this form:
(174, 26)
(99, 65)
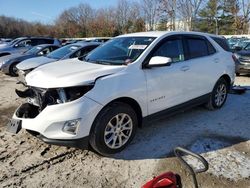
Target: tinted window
(211, 49)
(52, 48)
(197, 47)
(23, 43)
(172, 49)
(222, 42)
(61, 52)
(83, 51)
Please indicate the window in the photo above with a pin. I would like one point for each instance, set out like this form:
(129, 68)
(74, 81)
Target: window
(45, 51)
(24, 43)
(211, 49)
(222, 42)
(61, 52)
(171, 48)
(52, 48)
(247, 47)
(197, 47)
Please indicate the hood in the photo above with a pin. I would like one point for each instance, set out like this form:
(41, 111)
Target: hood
(3, 45)
(34, 62)
(68, 73)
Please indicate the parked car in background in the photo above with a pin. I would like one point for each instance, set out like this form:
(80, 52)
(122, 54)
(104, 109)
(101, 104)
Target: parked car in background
(243, 61)
(98, 39)
(8, 63)
(102, 99)
(69, 51)
(5, 40)
(25, 43)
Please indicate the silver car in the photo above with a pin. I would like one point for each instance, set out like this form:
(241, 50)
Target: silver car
(23, 44)
(69, 51)
(8, 62)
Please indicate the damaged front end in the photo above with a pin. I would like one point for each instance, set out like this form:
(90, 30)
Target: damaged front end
(39, 98)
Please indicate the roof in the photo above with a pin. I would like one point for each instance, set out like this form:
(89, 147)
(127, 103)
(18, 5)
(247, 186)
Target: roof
(162, 33)
(45, 45)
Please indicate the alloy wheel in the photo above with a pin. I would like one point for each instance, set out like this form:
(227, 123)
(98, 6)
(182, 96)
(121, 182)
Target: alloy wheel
(118, 131)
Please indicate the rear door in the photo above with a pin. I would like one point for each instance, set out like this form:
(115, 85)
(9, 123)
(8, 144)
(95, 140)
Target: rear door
(201, 60)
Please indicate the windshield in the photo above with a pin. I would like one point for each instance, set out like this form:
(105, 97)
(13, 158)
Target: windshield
(61, 52)
(119, 51)
(34, 50)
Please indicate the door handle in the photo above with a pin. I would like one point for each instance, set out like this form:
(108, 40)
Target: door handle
(185, 68)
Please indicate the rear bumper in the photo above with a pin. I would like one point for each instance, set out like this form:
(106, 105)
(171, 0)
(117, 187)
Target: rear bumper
(243, 68)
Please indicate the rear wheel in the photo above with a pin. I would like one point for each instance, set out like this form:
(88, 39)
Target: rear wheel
(219, 95)
(113, 129)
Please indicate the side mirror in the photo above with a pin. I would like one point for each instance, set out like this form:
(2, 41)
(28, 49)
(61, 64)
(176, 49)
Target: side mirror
(159, 61)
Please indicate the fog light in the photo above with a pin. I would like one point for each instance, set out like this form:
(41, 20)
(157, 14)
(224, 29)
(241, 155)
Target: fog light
(71, 126)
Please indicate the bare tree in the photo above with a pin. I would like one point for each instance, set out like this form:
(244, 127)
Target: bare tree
(188, 11)
(150, 13)
(168, 10)
(245, 7)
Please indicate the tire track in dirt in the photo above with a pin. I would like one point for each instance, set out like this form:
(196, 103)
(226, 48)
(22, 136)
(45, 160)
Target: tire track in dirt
(42, 165)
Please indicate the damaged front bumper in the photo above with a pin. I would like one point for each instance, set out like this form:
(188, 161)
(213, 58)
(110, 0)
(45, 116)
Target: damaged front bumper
(45, 117)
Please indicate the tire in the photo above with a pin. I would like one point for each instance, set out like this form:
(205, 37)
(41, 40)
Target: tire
(13, 69)
(219, 95)
(107, 136)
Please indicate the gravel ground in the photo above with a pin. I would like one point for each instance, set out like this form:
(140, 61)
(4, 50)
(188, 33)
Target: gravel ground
(222, 137)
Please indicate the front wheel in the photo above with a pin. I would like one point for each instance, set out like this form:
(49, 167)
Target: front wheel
(13, 69)
(219, 95)
(113, 128)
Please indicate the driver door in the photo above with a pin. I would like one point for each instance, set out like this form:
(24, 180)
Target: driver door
(166, 85)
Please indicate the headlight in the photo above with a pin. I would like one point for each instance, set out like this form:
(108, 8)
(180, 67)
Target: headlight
(73, 93)
(2, 63)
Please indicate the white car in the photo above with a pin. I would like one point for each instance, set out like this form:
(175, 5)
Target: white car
(101, 99)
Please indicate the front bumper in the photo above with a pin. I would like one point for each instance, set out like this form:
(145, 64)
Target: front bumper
(50, 121)
(81, 143)
(5, 68)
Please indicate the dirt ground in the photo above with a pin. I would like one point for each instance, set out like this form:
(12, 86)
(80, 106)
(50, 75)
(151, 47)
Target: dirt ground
(222, 137)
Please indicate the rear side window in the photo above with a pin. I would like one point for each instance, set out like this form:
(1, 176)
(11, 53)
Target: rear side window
(197, 47)
(222, 42)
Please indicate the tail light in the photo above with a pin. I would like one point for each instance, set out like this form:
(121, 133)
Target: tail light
(234, 58)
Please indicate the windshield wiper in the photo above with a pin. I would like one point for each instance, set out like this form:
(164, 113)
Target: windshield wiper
(106, 62)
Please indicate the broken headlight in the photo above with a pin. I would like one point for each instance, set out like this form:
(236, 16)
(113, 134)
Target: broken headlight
(72, 93)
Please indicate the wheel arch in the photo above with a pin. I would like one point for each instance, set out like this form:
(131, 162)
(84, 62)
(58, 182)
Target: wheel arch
(133, 104)
(4, 54)
(227, 78)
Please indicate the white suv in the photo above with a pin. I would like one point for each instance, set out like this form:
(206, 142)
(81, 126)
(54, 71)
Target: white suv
(102, 98)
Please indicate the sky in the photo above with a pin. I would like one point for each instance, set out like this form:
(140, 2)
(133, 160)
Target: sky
(45, 11)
